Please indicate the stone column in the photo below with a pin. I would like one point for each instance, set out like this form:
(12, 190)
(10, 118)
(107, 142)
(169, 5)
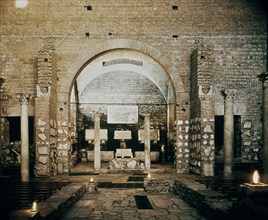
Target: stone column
(97, 153)
(24, 132)
(228, 138)
(147, 142)
(264, 78)
(2, 80)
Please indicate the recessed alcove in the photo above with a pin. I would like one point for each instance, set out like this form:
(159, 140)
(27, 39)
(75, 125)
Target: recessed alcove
(122, 79)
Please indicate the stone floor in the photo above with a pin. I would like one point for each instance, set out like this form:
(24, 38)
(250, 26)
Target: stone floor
(116, 203)
(120, 204)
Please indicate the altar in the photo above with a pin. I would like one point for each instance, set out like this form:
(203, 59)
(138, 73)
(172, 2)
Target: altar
(123, 158)
(124, 153)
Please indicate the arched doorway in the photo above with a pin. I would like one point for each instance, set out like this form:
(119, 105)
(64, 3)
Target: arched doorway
(122, 86)
(162, 74)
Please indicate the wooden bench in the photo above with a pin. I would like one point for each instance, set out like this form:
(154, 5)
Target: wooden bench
(124, 153)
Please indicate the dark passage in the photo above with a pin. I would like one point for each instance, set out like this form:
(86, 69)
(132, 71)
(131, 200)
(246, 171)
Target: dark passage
(142, 202)
(135, 179)
(111, 185)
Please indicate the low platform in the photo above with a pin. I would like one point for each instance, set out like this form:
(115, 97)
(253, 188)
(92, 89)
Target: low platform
(87, 168)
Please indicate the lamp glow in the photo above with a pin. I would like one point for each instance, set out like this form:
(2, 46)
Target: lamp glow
(21, 3)
(34, 207)
(149, 176)
(256, 177)
(91, 180)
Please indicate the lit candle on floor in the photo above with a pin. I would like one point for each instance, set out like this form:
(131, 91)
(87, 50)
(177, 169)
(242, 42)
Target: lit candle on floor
(256, 177)
(34, 207)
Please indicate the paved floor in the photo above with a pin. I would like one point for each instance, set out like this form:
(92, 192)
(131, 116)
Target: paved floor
(120, 204)
(116, 203)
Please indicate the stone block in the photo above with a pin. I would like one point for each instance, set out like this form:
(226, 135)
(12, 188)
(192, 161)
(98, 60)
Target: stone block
(247, 124)
(41, 122)
(43, 137)
(43, 159)
(42, 150)
(208, 129)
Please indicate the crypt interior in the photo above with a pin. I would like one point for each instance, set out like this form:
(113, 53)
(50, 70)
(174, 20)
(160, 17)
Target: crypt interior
(163, 103)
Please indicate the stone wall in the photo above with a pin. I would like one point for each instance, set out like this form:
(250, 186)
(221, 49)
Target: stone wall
(234, 30)
(202, 114)
(45, 114)
(182, 154)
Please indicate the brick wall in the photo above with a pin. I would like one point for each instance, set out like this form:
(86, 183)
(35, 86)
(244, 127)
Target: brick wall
(234, 30)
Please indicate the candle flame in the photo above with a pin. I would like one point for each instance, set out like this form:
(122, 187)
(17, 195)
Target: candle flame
(34, 207)
(256, 177)
(149, 175)
(91, 180)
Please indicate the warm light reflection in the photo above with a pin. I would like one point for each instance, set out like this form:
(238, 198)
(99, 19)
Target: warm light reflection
(256, 177)
(91, 180)
(34, 207)
(21, 3)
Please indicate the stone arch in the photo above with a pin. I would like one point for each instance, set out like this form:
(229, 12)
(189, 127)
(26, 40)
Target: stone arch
(176, 87)
(175, 84)
(77, 66)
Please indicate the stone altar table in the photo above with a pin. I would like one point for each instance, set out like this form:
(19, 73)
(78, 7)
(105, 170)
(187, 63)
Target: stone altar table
(124, 153)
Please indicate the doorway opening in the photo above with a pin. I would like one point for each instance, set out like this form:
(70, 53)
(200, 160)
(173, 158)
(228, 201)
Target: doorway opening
(219, 140)
(12, 147)
(219, 136)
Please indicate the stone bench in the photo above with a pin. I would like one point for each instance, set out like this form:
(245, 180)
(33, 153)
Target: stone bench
(124, 153)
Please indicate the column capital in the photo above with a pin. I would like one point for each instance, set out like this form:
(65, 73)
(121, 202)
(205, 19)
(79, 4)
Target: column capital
(23, 98)
(228, 94)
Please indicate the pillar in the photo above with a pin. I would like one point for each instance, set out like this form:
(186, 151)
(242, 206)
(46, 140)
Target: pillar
(147, 142)
(24, 132)
(2, 80)
(228, 138)
(264, 78)
(97, 153)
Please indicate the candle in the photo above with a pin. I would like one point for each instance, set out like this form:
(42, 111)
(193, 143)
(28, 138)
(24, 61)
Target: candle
(34, 207)
(256, 177)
